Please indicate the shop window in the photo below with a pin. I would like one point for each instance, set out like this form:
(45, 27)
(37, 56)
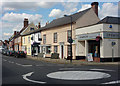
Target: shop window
(68, 50)
(44, 39)
(55, 49)
(48, 49)
(55, 37)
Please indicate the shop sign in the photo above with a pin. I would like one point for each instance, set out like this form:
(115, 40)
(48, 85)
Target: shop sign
(88, 36)
(89, 57)
(114, 35)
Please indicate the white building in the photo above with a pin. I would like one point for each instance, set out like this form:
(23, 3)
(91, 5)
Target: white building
(97, 40)
(36, 41)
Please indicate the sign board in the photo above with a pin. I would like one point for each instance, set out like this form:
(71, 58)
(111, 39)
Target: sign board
(114, 35)
(89, 57)
(88, 36)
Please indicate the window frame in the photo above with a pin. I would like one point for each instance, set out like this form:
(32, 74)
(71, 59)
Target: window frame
(55, 49)
(55, 38)
(44, 39)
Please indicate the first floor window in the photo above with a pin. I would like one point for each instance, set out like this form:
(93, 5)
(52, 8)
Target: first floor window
(48, 49)
(29, 50)
(55, 49)
(44, 39)
(69, 50)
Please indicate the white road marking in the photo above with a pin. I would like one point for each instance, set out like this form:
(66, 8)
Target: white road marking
(4, 60)
(102, 69)
(23, 65)
(112, 82)
(29, 74)
(26, 65)
(78, 75)
(10, 62)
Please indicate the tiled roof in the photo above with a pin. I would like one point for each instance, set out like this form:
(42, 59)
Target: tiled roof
(110, 20)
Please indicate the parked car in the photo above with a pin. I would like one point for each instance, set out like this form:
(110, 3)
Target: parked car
(4, 52)
(20, 54)
(10, 52)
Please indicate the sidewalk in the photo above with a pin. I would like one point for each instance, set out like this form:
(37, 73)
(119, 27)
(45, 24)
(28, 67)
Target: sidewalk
(74, 62)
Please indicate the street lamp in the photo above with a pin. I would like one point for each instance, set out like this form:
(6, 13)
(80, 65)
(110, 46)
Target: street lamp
(70, 40)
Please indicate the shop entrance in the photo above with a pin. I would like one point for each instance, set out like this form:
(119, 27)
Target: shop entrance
(94, 48)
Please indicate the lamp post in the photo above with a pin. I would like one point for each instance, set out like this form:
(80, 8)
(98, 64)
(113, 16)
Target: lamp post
(70, 40)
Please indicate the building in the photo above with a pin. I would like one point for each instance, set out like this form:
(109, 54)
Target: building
(36, 41)
(101, 40)
(26, 38)
(55, 34)
(11, 41)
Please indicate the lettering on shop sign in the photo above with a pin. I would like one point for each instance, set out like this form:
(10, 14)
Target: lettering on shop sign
(88, 36)
(114, 35)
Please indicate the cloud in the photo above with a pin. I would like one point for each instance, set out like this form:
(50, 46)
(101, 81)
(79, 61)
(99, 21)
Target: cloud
(17, 17)
(7, 34)
(108, 9)
(85, 6)
(69, 8)
(55, 13)
(26, 5)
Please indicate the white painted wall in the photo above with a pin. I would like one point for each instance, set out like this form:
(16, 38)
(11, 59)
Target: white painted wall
(105, 44)
(35, 37)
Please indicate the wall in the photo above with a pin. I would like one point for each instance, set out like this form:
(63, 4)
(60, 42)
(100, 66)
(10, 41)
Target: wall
(61, 37)
(27, 44)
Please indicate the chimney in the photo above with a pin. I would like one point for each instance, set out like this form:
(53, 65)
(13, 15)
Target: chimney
(47, 22)
(94, 5)
(39, 26)
(15, 32)
(25, 22)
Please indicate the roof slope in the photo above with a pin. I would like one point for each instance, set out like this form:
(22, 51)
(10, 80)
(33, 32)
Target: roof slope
(65, 20)
(110, 20)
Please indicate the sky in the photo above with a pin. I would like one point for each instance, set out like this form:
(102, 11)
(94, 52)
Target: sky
(12, 14)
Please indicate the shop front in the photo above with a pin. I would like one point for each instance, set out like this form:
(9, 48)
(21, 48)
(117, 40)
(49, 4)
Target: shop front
(35, 48)
(89, 45)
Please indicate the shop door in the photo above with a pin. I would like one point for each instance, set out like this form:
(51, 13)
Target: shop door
(94, 48)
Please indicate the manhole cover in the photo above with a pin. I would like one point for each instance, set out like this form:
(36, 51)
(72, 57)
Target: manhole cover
(78, 75)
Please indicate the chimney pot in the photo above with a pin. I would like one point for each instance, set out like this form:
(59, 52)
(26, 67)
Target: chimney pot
(25, 22)
(39, 25)
(94, 5)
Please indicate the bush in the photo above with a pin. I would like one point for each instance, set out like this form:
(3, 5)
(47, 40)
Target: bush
(55, 56)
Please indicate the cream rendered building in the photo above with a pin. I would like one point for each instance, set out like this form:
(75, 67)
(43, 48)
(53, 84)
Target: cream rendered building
(56, 33)
(101, 49)
(26, 38)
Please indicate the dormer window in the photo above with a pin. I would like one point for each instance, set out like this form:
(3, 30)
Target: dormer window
(31, 29)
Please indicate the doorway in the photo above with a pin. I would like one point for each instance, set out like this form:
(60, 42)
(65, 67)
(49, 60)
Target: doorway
(62, 51)
(94, 48)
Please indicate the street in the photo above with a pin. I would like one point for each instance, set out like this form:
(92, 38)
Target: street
(27, 71)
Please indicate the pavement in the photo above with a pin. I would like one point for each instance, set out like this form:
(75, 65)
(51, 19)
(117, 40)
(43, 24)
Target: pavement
(74, 62)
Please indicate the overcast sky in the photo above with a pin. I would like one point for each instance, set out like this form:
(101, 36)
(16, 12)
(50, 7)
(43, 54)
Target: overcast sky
(13, 13)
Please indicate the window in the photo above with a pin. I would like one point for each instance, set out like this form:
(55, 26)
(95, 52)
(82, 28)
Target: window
(29, 50)
(29, 39)
(44, 39)
(31, 29)
(55, 49)
(68, 34)
(48, 49)
(55, 37)
(69, 50)
(23, 40)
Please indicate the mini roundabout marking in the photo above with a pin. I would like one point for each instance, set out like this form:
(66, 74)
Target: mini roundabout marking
(78, 75)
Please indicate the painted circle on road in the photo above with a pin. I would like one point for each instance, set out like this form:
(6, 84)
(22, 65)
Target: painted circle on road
(78, 75)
